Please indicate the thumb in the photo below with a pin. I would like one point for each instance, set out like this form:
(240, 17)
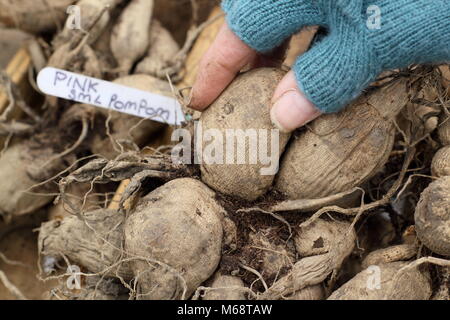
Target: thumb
(331, 74)
(291, 109)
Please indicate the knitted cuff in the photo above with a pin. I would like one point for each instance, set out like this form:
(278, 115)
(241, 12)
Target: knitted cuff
(412, 31)
(336, 70)
(348, 59)
(265, 24)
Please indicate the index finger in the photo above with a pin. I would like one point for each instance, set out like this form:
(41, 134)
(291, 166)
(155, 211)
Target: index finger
(219, 66)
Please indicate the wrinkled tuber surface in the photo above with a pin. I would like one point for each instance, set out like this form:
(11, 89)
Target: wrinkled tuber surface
(24, 166)
(244, 105)
(95, 243)
(411, 285)
(343, 150)
(433, 216)
(175, 234)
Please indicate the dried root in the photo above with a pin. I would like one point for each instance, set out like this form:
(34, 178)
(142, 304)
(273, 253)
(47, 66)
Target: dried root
(313, 270)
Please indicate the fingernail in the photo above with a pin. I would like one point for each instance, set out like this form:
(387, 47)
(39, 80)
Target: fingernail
(292, 110)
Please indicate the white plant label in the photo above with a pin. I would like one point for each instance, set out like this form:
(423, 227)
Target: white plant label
(79, 88)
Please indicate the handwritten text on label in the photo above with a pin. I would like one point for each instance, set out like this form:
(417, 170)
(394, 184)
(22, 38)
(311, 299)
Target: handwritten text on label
(83, 89)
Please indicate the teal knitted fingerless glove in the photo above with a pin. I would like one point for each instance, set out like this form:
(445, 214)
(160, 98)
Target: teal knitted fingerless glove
(355, 51)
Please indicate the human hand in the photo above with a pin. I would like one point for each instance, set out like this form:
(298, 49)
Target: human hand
(339, 66)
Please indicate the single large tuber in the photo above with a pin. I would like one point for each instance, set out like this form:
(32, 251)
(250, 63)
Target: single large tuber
(161, 52)
(244, 108)
(344, 150)
(174, 237)
(130, 37)
(432, 216)
(380, 282)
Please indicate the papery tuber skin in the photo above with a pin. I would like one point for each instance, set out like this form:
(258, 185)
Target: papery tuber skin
(311, 293)
(432, 216)
(440, 166)
(95, 243)
(34, 16)
(319, 237)
(130, 37)
(412, 285)
(344, 150)
(444, 130)
(22, 168)
(402, 252)
(245, 104)
(121, 123)
(175, 235)
(161, 52)
(226, 288)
